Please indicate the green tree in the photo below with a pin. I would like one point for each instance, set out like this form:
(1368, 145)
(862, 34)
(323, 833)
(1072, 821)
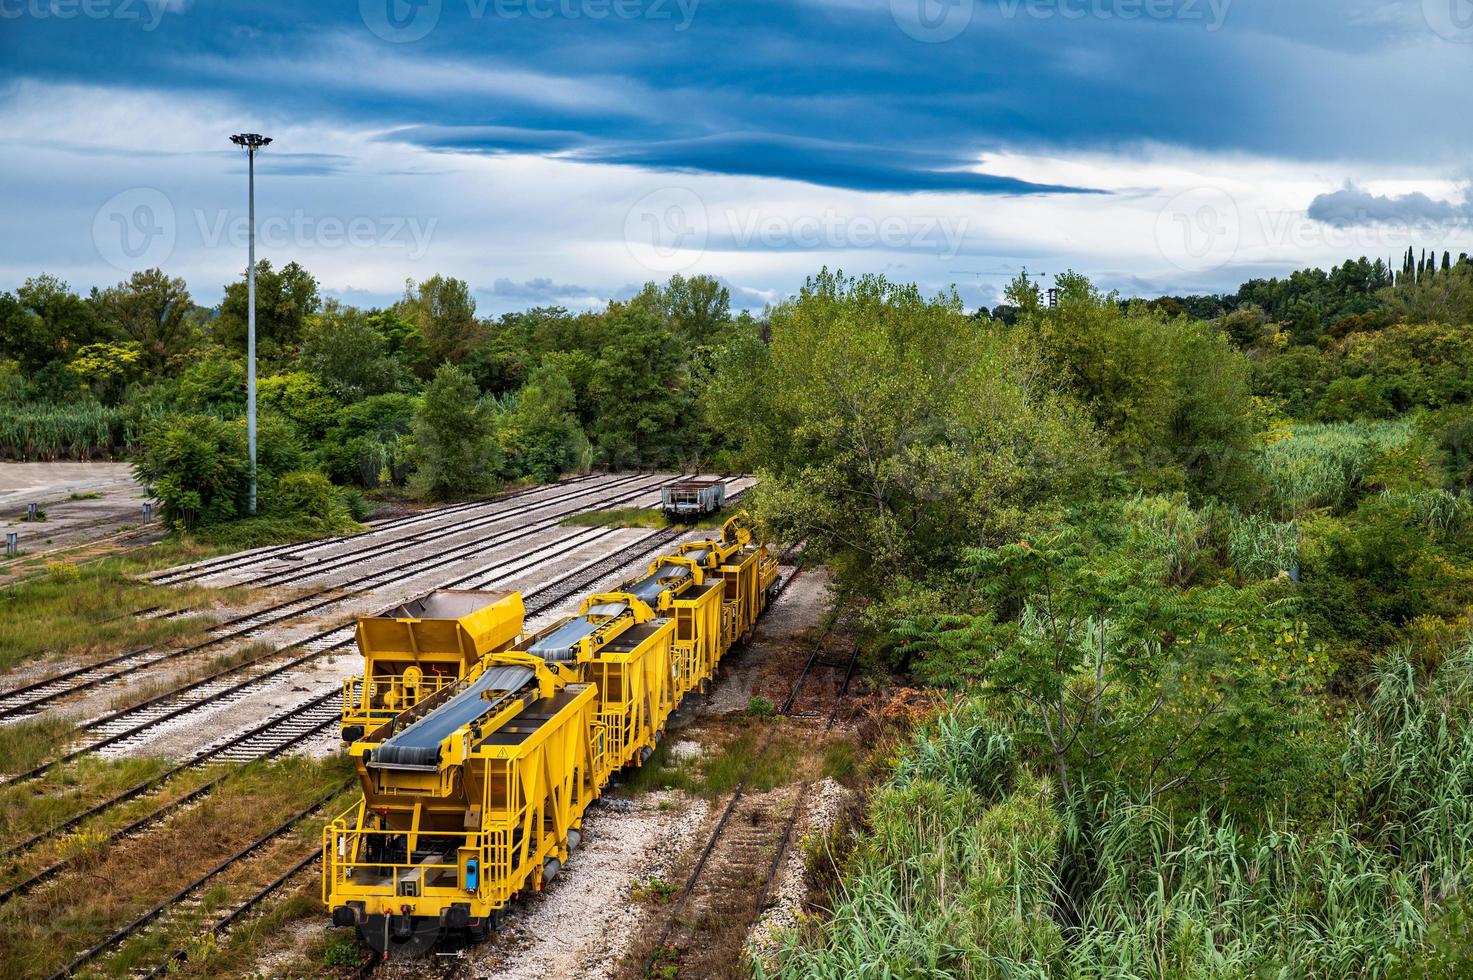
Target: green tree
(642, 408)
(892, 431)
(443, 313)
(541, 434)
(151, 310)
(216, 384)
(345, 349)
(1174, 397)
(44, 322)
(198, 466)
(107, 368)
(301, 399)
(284, 300)
(698, 308)
(367, 444)
(455, 450)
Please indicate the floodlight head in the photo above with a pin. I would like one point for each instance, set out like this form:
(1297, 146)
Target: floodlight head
(251, 141)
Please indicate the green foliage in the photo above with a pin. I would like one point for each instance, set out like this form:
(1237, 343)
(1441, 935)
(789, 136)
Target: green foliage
(106, 368)
(1412, 366)
(284, 301)
(198, 466)
(1329, 466)
(455, 448)
(43, 322)
(79, 431)
(891, 429)
(305, 493)
(643, 409)
(443, 314)
(760, 707)
(367, 446)
(151, 311)
(1173, 396)
(346, 350)
(1260, 547)
(953, 880)
(301, 399)
(214, 384)
(539, 433)
(1112, 675)
(342, 951)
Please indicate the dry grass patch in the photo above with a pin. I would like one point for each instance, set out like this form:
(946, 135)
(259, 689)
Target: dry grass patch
(41, 931)
(87, 612)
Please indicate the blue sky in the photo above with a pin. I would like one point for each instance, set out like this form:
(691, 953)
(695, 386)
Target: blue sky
(564, 151)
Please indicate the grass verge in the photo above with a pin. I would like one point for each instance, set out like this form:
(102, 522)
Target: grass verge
(639, 517)
(26, 743)
(41, 931)
(86, 612)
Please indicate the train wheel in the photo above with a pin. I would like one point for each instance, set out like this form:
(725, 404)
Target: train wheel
(400, 937)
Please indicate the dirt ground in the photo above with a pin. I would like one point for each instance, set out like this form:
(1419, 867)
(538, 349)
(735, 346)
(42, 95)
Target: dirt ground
(111, 501)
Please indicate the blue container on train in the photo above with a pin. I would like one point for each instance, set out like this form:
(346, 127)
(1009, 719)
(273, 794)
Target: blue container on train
(692, 499)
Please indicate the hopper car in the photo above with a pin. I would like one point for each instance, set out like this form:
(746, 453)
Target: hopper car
(479, 749)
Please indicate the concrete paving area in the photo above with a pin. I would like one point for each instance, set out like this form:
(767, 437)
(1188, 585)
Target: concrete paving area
(82, 502)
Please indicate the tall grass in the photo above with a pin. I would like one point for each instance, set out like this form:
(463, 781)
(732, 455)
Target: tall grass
(948, 884)
(1260, 547)
(1327, 465)
(38, 431)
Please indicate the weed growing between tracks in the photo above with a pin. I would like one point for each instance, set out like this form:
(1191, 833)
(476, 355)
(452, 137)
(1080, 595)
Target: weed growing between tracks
(34, 806)
(639, 517)
(42, 930)
(80, 612)
(26, 743)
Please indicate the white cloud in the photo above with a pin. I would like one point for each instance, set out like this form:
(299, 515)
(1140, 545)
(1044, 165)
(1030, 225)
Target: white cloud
(1174, 220)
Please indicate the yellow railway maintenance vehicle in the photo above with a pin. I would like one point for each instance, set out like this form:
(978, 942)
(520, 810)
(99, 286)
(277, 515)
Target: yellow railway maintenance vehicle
(423, 646)
(475, 793)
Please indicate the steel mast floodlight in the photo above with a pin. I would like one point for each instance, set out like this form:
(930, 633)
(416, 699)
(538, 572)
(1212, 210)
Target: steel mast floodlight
(252, 142)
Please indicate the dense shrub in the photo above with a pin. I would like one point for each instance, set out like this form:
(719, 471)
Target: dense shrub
(367, 444)
(455, 448)
(198, 466)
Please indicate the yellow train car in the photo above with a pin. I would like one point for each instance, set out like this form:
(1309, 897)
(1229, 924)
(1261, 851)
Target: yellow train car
(422, 647)
(475, 793)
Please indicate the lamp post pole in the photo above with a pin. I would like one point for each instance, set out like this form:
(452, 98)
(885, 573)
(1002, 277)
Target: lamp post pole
(252, 142)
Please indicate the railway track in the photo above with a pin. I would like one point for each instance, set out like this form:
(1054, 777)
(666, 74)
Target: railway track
(299, 724)
(296, 550)
(25, 700)
(162, 908)
(275, 736)
(742, 828)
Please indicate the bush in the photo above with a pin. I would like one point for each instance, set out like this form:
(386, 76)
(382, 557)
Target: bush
(305, 494)
(759, 706)
(198, 466)
(455, 449)
(367, 444)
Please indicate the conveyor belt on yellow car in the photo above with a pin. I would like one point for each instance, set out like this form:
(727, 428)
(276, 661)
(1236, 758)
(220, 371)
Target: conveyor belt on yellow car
(479, 749)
